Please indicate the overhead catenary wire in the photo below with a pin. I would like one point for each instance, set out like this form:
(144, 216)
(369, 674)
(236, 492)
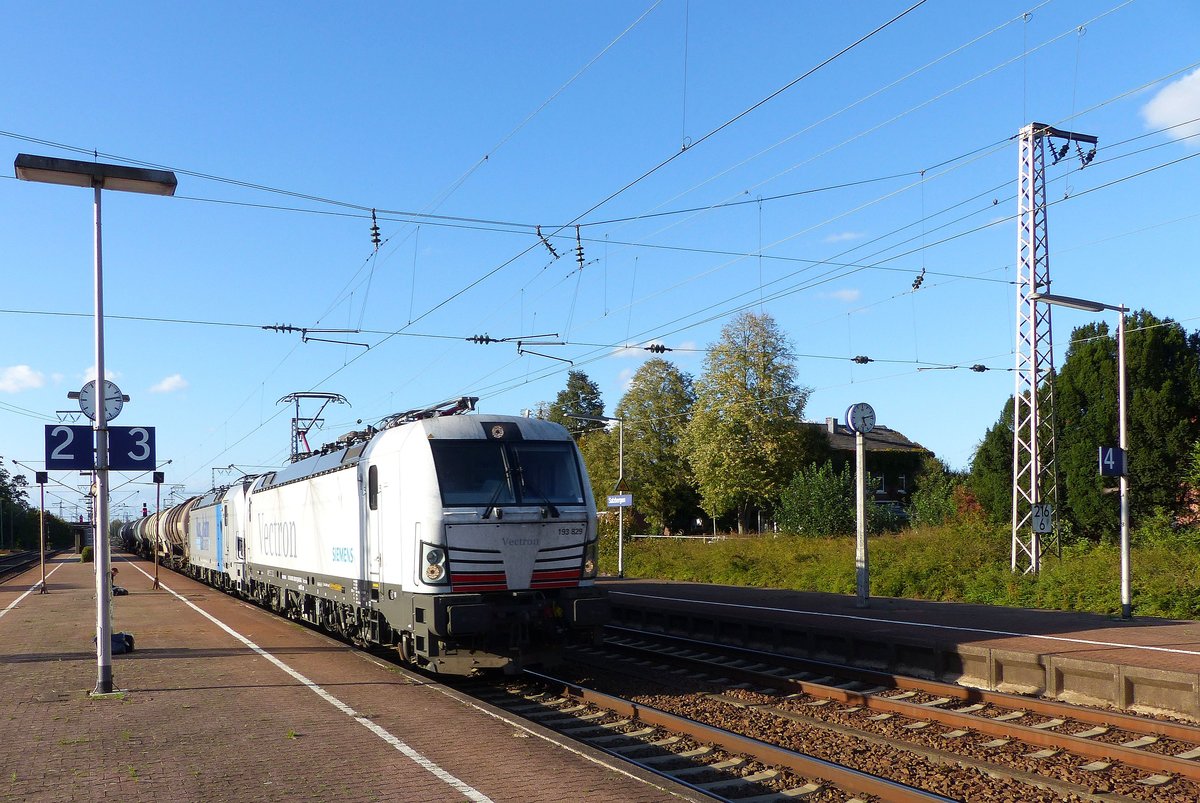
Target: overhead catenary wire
(889, 268)
(658, 332)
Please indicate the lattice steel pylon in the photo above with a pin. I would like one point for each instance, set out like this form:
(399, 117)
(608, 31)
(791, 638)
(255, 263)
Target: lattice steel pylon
(1035, 467)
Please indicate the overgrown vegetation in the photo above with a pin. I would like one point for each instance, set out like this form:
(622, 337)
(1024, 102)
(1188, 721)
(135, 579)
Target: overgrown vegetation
(20, 522)
(950, 563)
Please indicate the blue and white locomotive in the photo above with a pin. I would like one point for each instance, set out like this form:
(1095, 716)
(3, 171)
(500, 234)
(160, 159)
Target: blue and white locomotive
(464, 541)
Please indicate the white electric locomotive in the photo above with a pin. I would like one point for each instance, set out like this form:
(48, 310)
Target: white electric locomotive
(464, 541)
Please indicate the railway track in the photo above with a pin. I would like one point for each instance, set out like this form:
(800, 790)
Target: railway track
(19, 561)
(714, 762)
(1081, 752)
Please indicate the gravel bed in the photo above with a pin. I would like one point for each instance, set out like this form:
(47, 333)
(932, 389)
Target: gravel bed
(953, 781)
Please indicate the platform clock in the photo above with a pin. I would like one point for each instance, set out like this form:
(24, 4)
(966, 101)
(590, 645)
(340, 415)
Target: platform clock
(860, 417)
(90, 400)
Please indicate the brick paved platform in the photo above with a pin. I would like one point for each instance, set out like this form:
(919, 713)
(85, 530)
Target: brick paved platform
(1143, 664)
(205, 717)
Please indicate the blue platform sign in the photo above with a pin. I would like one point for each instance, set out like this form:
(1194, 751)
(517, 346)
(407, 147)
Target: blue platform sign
(131, 448)
(620, 500)
(69, 448)
(1112, 461)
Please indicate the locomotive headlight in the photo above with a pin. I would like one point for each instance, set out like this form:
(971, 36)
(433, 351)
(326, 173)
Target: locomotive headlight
(435, 563)
(589, 560)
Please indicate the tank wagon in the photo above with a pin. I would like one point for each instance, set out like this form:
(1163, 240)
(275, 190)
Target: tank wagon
(463, 541)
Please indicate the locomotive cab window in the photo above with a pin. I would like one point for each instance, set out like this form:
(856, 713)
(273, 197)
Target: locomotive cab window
(486, 473)
(373, 487)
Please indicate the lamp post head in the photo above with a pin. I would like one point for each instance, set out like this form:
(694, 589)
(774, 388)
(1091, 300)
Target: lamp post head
(1076, 303)
(74, 173)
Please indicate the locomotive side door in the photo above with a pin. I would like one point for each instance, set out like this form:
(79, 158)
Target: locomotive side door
(373, 512)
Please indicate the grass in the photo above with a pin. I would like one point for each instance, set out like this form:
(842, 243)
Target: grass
(956, 563)
(292, 735)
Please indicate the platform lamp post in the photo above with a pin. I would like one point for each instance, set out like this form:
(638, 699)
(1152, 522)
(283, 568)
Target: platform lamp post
(159, 477)
(51, 170)
(41, 477)
(604, 419)
(1122, 427)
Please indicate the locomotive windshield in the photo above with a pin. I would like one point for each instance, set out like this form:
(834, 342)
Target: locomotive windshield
(486, 473)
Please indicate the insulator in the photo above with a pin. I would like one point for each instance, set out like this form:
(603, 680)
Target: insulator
(374, 231)
(979, 369)
(481, 339)
(657, 348)
(862, 359)
(546, 242)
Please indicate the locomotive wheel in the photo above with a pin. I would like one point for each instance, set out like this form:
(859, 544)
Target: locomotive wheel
(406, 649)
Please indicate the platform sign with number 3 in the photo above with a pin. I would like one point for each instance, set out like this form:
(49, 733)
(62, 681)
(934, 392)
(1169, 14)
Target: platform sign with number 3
(131, 448)
(1043, 518)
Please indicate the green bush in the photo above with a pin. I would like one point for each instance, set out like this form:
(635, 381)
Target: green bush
(818, 501)
(934, 502)
(86, 555)
(954, 563)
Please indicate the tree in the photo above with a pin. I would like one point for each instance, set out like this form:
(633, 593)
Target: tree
(990, 477)
(15, 530)
(580, 396)
(745, 440)
(1163, 393)
(1163, 396)
(933, 503)
(655, 413)
(599, 450)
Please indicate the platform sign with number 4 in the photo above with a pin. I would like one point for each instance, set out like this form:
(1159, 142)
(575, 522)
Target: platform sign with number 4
(1043, 518)
(1112, 461)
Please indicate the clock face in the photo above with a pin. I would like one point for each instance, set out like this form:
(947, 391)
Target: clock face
(861, 417)
(89, 400)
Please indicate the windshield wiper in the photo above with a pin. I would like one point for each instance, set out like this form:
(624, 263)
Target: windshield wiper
(491, 505)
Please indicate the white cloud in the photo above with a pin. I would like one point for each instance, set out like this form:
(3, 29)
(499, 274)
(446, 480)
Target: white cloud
(844, 236)
(845, 295)
(17, 378)
(109, 374)
(1175, 103)
(625, 378)
(170, 384)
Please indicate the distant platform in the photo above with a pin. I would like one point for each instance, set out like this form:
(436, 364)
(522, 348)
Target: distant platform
(1143, 664)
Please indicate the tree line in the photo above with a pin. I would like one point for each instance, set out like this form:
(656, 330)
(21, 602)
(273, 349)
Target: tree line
(20, 523)
(723, 446)
(731, 447)
(1163, 401)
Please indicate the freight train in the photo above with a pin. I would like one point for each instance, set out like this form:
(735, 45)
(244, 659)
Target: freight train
(463, 541)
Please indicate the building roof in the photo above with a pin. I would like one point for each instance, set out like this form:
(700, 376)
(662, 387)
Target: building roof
(879, 439)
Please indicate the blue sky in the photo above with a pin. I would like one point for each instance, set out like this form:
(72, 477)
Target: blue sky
(465, 126)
